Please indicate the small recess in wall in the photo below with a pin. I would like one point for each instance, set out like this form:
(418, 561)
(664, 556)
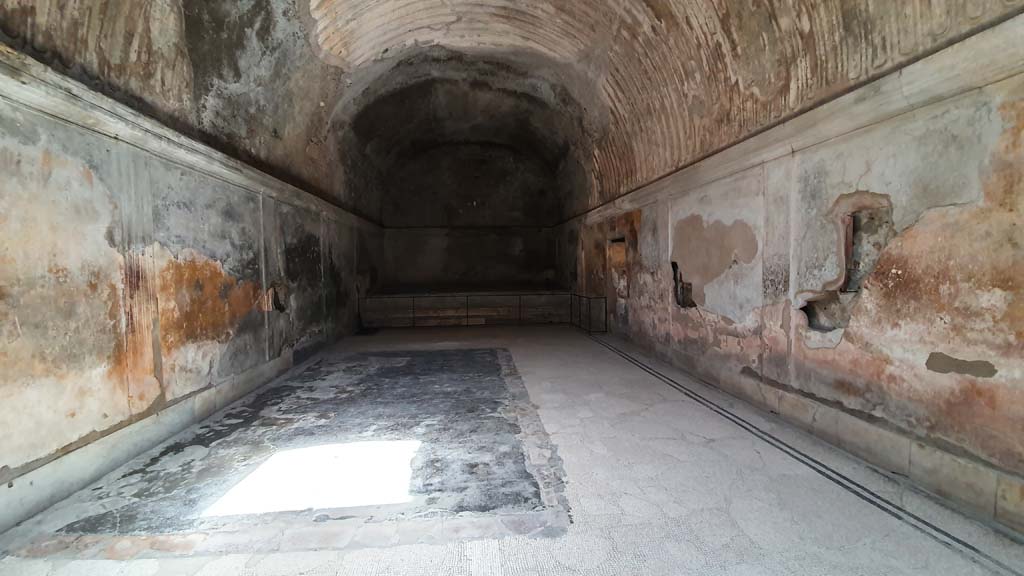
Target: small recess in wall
(683, 291)
(865, 228)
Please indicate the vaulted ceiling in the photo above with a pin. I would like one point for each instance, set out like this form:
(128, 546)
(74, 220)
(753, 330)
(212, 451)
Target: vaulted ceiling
(644, 87)
(678, 79)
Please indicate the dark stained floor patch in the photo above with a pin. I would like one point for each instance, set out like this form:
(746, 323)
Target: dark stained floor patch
(467, 407)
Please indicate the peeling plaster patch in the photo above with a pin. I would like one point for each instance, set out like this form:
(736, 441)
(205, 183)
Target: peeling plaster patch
(821, 340)
(715, 245)
(706, 252)
(943, 364)
(931, 159)
(829, 312)
(864, 226)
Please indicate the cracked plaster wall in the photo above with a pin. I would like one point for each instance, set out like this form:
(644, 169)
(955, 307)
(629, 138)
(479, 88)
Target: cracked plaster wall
(130, 282)
(934, 344)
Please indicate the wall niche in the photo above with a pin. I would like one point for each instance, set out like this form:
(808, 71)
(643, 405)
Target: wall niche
(864, 227)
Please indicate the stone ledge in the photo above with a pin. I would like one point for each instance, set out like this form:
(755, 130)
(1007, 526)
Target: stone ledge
(879, 446)
(971, 487)
(1010, 502)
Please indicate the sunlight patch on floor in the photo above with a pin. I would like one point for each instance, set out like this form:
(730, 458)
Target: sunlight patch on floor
(323, 477)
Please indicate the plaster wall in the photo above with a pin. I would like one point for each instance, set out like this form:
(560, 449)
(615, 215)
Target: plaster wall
(468, 259)
(925, 377)
(201, 68)
(140, 270)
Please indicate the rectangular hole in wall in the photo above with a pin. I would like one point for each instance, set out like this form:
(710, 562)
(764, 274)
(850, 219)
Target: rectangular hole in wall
(682, 291)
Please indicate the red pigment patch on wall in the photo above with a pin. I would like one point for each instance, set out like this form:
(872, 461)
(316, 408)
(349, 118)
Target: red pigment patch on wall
(200, 302)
